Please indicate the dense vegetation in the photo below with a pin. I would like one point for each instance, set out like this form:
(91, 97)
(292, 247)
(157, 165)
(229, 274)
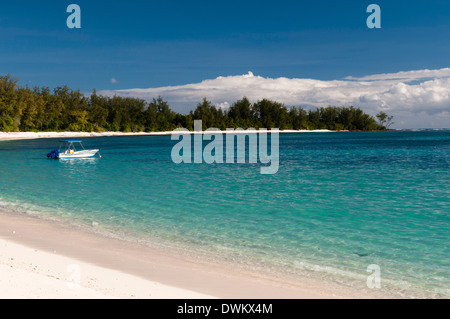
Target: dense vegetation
(40, 109)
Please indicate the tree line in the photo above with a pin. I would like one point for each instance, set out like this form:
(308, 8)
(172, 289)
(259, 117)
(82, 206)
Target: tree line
(63, 109)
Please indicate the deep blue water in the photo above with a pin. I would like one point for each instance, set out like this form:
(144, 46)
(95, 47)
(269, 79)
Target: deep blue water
(339, 202)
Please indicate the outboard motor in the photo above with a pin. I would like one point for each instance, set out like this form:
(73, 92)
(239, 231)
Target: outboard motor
(53, 155)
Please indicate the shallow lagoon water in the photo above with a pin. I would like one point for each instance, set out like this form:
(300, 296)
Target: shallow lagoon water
(339, 202)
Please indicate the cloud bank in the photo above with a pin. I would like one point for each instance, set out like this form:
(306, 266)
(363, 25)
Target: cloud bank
(417, 99)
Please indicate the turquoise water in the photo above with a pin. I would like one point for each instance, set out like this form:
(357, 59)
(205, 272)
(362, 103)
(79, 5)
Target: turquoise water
(339, 202)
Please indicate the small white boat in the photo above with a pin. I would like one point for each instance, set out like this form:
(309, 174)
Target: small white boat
(67, 150)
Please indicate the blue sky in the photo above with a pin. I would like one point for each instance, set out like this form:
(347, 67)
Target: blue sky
(160, 43)
(149, 44)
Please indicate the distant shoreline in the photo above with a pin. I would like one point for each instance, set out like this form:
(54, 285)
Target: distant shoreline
(11, 136)
(36, 135)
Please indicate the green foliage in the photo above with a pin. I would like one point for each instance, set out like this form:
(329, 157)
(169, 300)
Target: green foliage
(159, 117)
(211, 116)
(6, 124)
(384, 120)
(40, 109)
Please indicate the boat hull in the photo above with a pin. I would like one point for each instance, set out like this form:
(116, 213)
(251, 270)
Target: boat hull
(79, 155)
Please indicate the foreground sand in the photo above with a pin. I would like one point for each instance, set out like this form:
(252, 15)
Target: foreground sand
(47, 259)
(31, 273)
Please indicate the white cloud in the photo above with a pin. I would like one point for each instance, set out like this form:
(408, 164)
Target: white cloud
(114, 81)
(419, 98)
(408, 75)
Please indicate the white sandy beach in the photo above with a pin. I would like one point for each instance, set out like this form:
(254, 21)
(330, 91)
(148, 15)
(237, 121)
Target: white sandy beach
(35, 135)
(28, 273)
(47, 259)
